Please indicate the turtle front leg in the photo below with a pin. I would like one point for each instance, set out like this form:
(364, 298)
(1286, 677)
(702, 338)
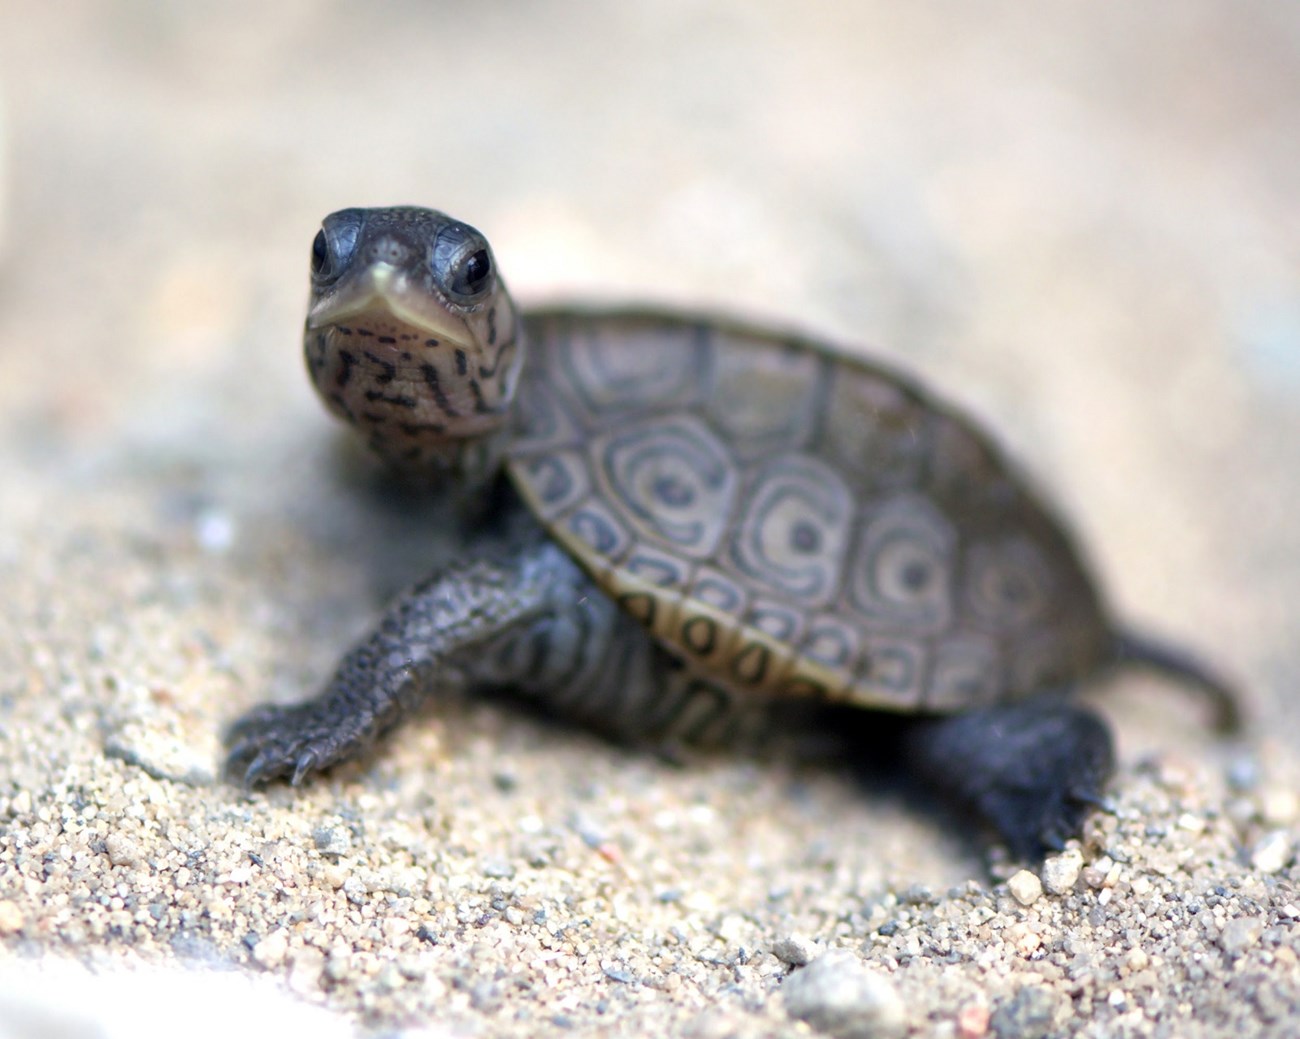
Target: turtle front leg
(529, 621)
(1031, 769)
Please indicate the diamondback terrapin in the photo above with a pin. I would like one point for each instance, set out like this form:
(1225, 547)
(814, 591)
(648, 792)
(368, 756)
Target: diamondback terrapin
(698, 515)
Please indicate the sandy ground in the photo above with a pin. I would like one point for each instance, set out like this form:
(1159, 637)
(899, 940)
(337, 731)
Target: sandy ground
(1080, 223)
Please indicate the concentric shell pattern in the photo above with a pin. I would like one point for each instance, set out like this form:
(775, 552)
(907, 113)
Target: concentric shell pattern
(793, 522)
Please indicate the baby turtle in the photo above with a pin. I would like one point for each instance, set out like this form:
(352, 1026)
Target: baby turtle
(699, 516)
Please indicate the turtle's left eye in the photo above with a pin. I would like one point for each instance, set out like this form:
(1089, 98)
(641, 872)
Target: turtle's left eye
(461, 262)
(472, 274)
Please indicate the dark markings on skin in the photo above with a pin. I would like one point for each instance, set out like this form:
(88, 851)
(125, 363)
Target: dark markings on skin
(341, 330)
(462, 362)
(397, 400)
(503, 376)
(406, 355)
(337, 400)
(345, 373)
(412, 429)
(430, 374)
(484, 372)
(375, 418)
(492, 327)
(364, 332)
(431, 342)
(386, 339)
(389, 372)
(480, 405)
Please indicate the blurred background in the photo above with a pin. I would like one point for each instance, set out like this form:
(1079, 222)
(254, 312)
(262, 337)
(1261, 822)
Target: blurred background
(1082, 223)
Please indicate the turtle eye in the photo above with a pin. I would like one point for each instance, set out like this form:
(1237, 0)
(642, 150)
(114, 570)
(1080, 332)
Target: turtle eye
(461, 262)
(334, 244)
(472, 274)
(320, 254)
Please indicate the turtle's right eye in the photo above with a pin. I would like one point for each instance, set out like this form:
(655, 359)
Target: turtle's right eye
(320, 254)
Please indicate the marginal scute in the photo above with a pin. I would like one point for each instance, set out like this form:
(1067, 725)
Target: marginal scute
(594, 524)
(751, 662)
(892, 673)
(556, 481)
(874, 433)
(779, 621)
(718, 591)
(700, 635)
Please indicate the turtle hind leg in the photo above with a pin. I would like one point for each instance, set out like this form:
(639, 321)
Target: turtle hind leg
(1031, 769)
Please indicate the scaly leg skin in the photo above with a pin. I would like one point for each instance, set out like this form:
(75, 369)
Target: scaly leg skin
(530, 621)
(1031, 769)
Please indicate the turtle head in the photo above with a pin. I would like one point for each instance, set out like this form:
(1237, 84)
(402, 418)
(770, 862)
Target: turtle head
(411, 335)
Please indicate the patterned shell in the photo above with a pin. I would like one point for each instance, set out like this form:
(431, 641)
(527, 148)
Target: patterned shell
(793, 522)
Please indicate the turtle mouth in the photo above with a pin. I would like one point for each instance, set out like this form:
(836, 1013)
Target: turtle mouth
(385, 295)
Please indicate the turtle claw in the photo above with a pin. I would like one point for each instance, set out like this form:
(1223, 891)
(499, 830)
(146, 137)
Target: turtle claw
(305, 764)
(274, 742)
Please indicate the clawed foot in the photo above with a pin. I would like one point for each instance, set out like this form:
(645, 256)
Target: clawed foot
(273, 741)
(1032, 770)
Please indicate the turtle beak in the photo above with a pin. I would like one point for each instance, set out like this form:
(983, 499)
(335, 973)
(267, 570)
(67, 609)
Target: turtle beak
(385, 293)
(376, 289)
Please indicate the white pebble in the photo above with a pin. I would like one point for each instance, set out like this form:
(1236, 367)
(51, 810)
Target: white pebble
(798, 950)
(1272, 852)
(1025, 887)
(1061, 872)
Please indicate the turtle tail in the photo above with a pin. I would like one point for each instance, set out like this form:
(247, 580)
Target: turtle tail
(1132, 649)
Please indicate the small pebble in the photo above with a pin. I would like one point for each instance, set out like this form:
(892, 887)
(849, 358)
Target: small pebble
(1029, 1014)
(332, 840)
(973, 1021)
(795, 949)
(1243, 774)
(1061, 872)
(1025, 887)
(498, 869)
(1272, 852)
(121, 850)
(11, 917)
(1279, 806)
(838, 995)
(270, 951)
(1239, 934)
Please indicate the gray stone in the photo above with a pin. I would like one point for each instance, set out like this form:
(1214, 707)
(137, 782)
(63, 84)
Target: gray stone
(840, 996)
